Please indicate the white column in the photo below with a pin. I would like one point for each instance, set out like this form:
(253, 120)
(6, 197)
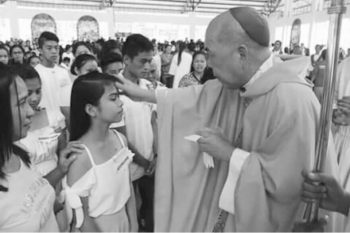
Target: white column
(192, 19)
(312, 22)
(13, 15)
(111, 21)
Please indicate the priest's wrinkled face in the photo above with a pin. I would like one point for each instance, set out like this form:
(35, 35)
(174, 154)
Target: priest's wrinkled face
(224, 52)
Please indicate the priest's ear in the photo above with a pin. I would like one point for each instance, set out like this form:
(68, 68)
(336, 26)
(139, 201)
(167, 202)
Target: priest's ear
(91, 110)
(243, 51)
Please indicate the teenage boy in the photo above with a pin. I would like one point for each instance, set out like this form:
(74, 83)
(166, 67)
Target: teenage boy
(56, 84)
(137, 56)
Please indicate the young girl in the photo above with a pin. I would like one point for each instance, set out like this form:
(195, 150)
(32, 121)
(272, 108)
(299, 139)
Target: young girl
(26, 198)
(98, 185)
(84, 64)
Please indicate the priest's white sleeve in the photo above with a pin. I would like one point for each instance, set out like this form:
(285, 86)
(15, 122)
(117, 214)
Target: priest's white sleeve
(227, 197)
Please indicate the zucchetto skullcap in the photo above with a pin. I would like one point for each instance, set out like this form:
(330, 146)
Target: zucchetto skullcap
(253, 23)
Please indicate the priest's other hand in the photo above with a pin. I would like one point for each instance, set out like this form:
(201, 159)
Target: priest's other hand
(327, 190)
(215, 144)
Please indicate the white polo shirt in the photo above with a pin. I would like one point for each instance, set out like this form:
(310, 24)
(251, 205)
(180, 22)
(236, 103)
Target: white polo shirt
(56, 92)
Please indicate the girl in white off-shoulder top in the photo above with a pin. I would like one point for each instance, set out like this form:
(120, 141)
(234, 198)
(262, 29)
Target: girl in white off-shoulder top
(98, 187)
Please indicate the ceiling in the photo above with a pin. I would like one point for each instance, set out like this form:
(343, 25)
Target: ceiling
(165, 6)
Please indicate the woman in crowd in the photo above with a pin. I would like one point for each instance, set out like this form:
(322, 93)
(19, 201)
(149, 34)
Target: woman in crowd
(84, 64)
(199, 71)
(4, 55)
(81, 48)
(26, 196)
(166, 57)
(98, 185)
(181, 63)
(17, 54)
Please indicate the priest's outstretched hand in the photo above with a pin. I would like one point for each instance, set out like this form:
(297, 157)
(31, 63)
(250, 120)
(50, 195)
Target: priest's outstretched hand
(215, 144)
(133, 90)
(327, 190)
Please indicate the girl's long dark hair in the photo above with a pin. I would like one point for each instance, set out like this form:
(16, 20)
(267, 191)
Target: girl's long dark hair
(182, 47)
(7, 77)
(87, 89)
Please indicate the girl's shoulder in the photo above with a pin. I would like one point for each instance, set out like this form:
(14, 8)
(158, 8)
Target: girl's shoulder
(79, 167)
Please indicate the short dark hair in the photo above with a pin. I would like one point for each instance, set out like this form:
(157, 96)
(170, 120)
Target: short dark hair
(110, 58)
(27, 72)
(47, 36)
(68, 46)
(135, 44)
(110, 45)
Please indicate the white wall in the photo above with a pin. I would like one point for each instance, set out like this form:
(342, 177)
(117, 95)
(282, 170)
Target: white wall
(314, 29)
(15, 21)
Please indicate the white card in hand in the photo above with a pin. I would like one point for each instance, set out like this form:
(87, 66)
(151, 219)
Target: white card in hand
(193, 138)
(207, 159)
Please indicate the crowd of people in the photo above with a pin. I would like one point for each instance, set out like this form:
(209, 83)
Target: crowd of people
(17, 51)
(135, 135)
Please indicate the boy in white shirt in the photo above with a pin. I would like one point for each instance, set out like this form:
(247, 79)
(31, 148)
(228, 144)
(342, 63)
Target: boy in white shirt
(137, 56)
(56, 84)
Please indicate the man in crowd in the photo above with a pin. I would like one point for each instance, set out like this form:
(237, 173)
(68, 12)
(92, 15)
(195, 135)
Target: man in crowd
(259, 122)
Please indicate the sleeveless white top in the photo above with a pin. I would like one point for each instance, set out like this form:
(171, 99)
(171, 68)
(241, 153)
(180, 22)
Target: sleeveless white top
(28, 203)
(107, 185)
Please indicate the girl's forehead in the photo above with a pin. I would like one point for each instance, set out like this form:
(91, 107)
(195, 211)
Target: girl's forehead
(111, 88)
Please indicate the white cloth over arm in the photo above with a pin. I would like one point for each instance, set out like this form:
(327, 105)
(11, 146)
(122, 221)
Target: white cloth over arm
(81, 188)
